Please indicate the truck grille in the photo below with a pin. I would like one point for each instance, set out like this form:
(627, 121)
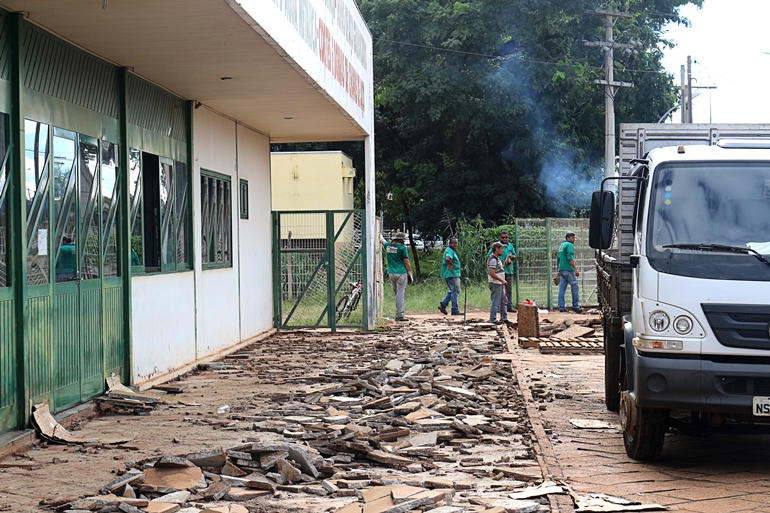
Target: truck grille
(745, 386)
(744, 326)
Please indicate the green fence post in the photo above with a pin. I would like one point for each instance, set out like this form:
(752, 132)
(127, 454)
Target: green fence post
(548, 262)
(364, 270)
(277, 314)
(331, 268)
(518, 257)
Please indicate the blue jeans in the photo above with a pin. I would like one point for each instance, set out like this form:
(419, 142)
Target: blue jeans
(566, 277)
(453, 295)
(497, 302)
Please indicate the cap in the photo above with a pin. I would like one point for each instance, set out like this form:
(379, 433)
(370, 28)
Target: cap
(398, 236)
(569, 234)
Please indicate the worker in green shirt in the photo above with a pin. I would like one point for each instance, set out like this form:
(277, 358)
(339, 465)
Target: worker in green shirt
(568, 273)
(450, 271)
(66, 261)
(399, 270)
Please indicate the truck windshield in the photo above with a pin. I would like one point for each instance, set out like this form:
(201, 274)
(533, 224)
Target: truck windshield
(696, 208)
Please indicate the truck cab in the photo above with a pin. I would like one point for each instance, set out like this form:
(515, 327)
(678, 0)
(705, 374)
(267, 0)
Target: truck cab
(685, 288)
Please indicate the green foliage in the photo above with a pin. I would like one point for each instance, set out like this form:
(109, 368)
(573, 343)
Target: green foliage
(488, 108)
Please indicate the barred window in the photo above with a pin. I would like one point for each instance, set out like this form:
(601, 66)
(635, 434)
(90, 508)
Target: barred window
(160, 213)
(244, 199)
(216, 220)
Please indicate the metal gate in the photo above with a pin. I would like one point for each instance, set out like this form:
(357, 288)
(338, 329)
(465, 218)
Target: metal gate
(318, 256)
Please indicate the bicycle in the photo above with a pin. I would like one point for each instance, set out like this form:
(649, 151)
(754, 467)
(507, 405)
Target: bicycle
(349, 302)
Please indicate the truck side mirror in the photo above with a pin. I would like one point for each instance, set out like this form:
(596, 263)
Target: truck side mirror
(602, 219)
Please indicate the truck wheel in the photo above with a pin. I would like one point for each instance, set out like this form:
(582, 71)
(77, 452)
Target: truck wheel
(644, 429)
(612, 356)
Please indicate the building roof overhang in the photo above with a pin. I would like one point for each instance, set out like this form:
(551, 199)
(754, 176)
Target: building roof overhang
(222, 53)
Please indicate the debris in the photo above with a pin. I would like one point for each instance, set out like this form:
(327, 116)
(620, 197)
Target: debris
(593, 424)
(544, 488)
(397, 419)
(573, 332)
(223, 409)
(46, 425)
(172, 388)
(600, 503)
(515, 506)
(166, 480)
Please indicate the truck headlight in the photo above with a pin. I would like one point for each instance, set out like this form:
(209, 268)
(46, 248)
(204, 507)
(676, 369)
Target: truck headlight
(683, 325)
(659, 320)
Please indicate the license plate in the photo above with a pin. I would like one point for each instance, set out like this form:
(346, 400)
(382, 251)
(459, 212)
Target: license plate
(761, 406)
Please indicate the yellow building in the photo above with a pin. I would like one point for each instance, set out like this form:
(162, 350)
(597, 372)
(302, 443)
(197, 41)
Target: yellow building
(311, 180)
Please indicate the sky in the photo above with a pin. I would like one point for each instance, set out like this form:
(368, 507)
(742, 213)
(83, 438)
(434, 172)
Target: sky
(729, 41)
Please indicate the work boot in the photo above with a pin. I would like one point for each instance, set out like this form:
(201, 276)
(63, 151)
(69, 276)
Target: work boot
(442, 308)
(401, 319)
(577, 310)
(458, 313)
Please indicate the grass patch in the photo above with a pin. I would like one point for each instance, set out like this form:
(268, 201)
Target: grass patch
(425, 295)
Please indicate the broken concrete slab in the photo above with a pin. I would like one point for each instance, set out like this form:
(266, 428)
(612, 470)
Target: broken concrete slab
(171, 479)
(289, 472)
(161, 507)
(215, 458)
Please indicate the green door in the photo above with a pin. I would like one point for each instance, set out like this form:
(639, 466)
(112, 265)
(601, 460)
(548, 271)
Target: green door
(84, 249)
(90, 278)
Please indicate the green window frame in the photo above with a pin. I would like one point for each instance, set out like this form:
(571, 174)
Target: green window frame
(216, 220)
(243, 199)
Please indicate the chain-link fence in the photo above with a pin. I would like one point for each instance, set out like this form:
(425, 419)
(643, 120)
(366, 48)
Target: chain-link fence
(318, 257)
(537, 242)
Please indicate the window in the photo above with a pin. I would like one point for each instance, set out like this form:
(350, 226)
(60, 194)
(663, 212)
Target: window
(72, 190)
(243, 199)
(216, 220)
(160, 213)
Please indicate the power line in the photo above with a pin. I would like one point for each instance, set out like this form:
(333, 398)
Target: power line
(523, 59)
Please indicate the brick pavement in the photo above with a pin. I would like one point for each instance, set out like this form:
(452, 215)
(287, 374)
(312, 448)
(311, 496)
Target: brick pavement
(720, 473)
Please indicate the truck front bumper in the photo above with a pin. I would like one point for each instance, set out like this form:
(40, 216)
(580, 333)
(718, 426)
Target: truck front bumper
(698, 382)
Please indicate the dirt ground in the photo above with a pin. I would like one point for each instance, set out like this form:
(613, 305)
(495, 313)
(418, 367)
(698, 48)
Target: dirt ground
(256, 383)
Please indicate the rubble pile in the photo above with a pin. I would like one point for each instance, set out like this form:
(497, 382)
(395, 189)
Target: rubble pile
(412, 422)
(592, 325)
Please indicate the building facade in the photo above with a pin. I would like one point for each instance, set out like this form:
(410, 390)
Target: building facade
(135, 204)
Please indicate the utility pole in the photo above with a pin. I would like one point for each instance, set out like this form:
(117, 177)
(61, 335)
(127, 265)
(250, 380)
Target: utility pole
(689, 89)
(683, 95)
(608, 46)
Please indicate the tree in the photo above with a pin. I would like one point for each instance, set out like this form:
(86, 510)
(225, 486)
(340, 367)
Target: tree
(488, 107)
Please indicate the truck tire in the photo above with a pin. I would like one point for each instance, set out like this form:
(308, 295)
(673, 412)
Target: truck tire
(612, 364)
(644, 429)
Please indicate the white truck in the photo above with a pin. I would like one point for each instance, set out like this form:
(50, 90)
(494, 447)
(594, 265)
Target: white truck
(683, 264)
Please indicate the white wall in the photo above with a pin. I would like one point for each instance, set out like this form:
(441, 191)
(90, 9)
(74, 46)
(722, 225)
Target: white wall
(217, 295)
(163, 323)
(256, 234)
(337, 58)
(180, 317)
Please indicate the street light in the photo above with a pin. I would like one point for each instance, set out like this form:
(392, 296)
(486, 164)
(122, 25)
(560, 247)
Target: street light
(672, 109)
